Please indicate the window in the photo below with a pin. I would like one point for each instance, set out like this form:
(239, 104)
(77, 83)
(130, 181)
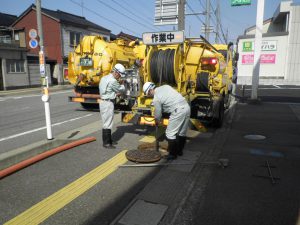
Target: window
(74, 38)
(5, 39)
(15, 66)
(17, 37)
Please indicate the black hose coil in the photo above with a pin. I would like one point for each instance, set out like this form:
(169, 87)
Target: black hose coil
(162, 67)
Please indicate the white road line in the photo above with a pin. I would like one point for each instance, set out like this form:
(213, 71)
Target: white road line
(276, 86)
(42, 128)
(249, 89)
(37, 95)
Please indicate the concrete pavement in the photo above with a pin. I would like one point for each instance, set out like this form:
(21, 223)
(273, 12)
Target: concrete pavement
(248, 191)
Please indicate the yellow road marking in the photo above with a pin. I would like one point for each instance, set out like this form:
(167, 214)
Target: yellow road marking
(47, 207)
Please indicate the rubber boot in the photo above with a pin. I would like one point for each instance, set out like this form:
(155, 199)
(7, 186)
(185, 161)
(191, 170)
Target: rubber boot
(110, 138)
(106, 138)
(181, 140)
(172, 149)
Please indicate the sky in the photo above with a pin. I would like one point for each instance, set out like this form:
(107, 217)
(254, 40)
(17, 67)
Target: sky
(137, 16)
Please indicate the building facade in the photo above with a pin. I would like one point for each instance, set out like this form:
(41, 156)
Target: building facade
(62, 31)
(280, 48)
(13, 54)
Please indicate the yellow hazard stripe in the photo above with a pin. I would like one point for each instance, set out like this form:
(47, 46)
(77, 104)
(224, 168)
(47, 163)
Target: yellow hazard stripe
(197, 125)
(47, 207)
(151, 137)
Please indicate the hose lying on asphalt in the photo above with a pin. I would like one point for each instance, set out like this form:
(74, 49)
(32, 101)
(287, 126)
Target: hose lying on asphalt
(27, 162)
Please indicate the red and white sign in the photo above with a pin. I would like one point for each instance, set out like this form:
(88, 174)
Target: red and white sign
(264, 59)
(32, 33)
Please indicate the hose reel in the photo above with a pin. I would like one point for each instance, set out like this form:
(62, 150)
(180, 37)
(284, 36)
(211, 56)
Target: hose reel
(162, 67)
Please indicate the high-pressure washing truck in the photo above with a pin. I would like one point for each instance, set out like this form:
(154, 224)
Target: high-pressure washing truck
(94, 58)
(192, 66)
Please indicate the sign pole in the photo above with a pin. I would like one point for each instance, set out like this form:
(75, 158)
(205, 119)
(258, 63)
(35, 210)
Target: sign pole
(257, 47)
(181, 16)
(45, 97)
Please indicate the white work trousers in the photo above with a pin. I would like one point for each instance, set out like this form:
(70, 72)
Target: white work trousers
(107, 114)
(178, 122)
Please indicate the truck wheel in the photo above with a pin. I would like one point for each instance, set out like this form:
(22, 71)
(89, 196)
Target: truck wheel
(202, 82)
(227, 100)
(89, 106)
(194, 112)
(218, 116)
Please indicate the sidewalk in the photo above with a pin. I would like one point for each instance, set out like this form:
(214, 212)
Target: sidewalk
(243, 193)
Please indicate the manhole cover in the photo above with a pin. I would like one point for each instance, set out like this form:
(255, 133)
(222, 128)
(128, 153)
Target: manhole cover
(254, 137)
(143, 156)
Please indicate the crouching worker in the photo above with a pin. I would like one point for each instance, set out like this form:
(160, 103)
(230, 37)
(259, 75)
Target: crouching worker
(168, 100)
(109, 88)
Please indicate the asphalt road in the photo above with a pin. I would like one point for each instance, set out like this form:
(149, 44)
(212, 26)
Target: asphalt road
(22, 119)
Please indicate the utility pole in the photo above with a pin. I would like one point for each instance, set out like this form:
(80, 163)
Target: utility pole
(181, 16)
(218, 21)
(44, 76)
(226, 40)
(81, 8)
(207, 22)
(257, 47)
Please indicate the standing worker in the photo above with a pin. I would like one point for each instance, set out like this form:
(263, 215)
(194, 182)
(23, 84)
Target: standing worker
(168, 100)
(109, 88)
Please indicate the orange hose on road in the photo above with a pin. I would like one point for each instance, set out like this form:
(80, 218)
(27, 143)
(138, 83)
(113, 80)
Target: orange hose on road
(43, 155)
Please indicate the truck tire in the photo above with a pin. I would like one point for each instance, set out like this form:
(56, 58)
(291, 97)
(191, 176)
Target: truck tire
(194, 112)
(218, 115)
(202, 82)
(89, 106)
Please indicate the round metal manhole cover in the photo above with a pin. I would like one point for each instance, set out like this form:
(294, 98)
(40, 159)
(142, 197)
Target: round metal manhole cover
(143, 156)
(255, 137)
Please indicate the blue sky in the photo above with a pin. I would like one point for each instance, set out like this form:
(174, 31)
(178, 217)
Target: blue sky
(141, 14)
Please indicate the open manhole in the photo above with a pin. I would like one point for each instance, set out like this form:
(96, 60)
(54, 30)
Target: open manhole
(143, 156)
(255, 137)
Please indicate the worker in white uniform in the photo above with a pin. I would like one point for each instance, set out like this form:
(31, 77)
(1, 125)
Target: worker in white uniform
(109, 88)
(166, 99)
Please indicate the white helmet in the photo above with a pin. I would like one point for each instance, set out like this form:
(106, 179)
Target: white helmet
(147, 87)
(119, 68)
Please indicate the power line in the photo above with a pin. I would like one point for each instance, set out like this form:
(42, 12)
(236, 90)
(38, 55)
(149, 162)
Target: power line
(139, 10)
(201, 4)
(92, 11)
(195, 13)
(221, 26)
(107, 5)
(132, 13)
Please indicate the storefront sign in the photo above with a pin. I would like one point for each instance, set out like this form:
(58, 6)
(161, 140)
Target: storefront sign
(269, 45)
(268, 58)
(240, 2)
(248, 46)
(264, 59)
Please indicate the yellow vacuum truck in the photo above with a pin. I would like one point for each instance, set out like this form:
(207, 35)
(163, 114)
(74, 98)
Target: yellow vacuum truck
(94, 58)
(193, 67)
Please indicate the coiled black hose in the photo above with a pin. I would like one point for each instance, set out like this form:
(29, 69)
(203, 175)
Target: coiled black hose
(162, 67)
